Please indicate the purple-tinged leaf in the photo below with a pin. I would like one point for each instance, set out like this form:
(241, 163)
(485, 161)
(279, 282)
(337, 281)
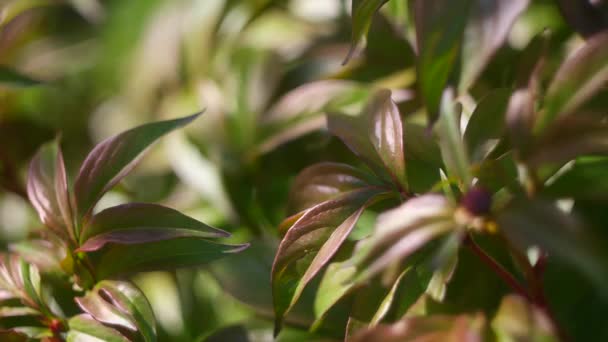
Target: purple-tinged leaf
(440, 25)
(487, 28)
(116, 259)
(585, 16)
(103, 311)
(323, 181)
(311, 242)
(580, 77)
(84, 327)
(142, 222)
(436, 328)
(403, 230)
(375, 136)
(47, 190)
(519, 320)
(362, 14)
(12, 336)
(112, 159)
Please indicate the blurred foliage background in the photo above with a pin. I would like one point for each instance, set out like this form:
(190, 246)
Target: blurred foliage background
(264, 71)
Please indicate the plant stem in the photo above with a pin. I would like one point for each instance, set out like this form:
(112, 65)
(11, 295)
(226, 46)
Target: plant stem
(497, 268)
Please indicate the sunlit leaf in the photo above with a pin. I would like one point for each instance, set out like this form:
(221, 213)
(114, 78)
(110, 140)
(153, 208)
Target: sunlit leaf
(440, 25)
(402, 231)
(83, 327)
(580, 77)
(375, 136)
(528, 223)
(47, 190)
(518, 320)
(362, 13)
(169, 254)
(432, 329)
(311, 242)
(112, 159)
(135, 223)
(488, 26)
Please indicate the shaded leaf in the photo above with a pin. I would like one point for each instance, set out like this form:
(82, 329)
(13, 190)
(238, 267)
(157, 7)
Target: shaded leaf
(586, 17)
(432, 329)
(47, 190)
(311, 242)
(12, 78)
(128, 259)
(112, 159)
(362, 14)
(135, 223)
(12, 336)
(440, 25)
(488, 26)
(403, 230)
(83, 327)
(579, 77)
(487, 123)
(518, 320)
(584, 179)
(375, 136)
(529, 223)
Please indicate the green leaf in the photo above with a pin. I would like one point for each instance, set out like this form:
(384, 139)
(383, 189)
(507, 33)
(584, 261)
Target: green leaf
(580, 77)
(487, 28)
(128, 259)
(451, 143)
(135, 223)
(310, 244)
(120, 303)
(375, 136)
(83, 327)
(429, 328)
(440, 25)
(584, 179)
(14, 79)
(362, 14)
(336, 283)
(518, 320)
(112, 159)
(47, 190)
(529, 223)
(324, 181)
(403, 230)
(487, 123)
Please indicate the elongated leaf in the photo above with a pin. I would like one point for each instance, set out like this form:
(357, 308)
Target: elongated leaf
(402, 231)
(20, 280)
(440, 25)
(585, 179)
(12, 336)
(83, 326)
(120, 303)
(376, 136)
(47, 190)
(581, 76)
(518, 320)
(12, 78)
(311, 242)
(114, 158)
(322, 182)
(335, 285)
(123, 259)
(488, 27)
(529, 223)
(453, 149)
(487, 123)
(142, 222)
(362, 12)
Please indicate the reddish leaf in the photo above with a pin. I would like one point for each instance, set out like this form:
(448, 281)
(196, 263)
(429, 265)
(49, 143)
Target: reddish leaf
(142, 222)
(112, 159)
(311, 242)
(84, 327)
(376, 136)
